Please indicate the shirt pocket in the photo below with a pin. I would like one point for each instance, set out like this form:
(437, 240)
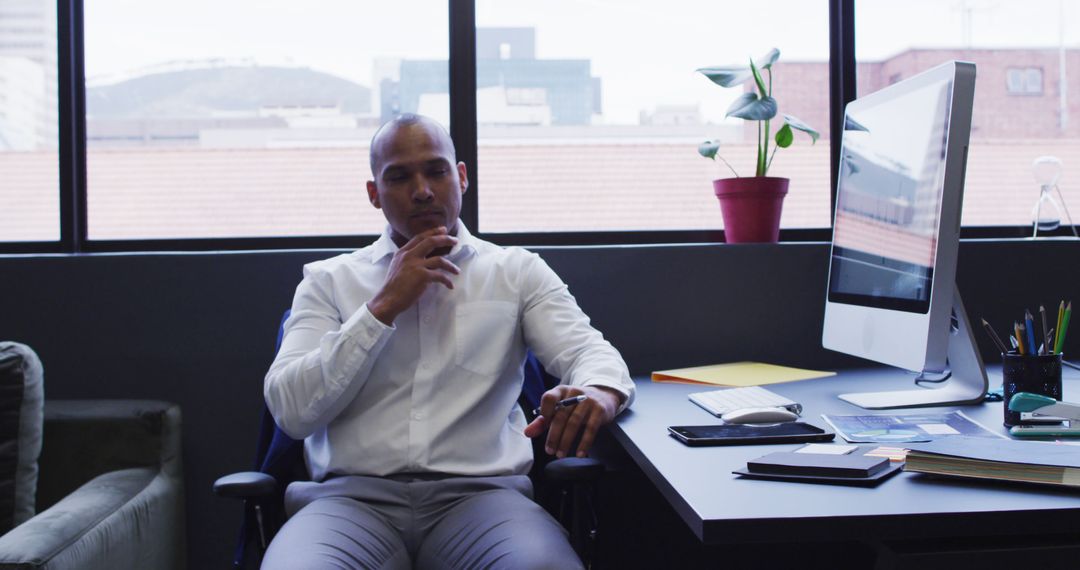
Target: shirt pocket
(485, 333)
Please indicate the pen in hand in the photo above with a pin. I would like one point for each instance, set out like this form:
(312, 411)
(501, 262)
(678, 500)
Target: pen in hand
(567, 403)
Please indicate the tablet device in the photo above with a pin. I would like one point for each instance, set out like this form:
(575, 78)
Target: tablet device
(749, 434)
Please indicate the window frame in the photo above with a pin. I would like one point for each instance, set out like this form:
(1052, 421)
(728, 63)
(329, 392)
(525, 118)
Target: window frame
(1024, 75)
(463, 130)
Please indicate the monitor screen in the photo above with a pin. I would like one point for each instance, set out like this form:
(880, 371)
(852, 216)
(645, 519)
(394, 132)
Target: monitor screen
(896, 229)
(889, 197)
(892, 294)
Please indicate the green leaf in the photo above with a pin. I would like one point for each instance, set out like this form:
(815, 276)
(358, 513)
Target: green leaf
(784, 137)
(757, 79)
(766, 61)
(801, 126)
(708, 149)
(752, 108)
(726, 76)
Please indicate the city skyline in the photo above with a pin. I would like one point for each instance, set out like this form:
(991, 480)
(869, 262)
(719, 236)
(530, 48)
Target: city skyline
(654, 108)
(638, 74)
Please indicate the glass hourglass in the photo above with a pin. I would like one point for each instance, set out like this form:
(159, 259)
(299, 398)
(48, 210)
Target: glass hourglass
(1046, 215)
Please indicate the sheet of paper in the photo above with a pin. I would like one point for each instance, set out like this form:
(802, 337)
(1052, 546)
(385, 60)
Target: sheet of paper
(827, 449)
(893, 453)
(938, 429)
(906, 428)
(738, 374)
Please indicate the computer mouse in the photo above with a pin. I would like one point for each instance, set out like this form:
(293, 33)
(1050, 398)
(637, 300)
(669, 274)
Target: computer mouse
(759, 416)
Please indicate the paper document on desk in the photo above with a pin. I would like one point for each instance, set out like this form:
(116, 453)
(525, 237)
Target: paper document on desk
(887, 428)
(737, 374)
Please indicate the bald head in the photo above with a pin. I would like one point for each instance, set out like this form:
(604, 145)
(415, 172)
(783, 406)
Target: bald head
(416, 179)
(385, 136)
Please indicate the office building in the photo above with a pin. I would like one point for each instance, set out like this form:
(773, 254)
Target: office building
(1011, 83)
(22, 114)
(29, 116)
(515, 87)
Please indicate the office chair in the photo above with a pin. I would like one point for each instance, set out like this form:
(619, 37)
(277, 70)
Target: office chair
(280, 460)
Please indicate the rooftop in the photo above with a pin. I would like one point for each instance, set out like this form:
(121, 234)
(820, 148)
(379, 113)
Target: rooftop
(137, 193)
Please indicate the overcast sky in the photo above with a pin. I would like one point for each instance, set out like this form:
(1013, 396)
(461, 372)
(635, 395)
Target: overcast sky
(645, 51)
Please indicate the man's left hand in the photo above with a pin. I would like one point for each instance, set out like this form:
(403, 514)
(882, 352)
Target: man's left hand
(566, 424)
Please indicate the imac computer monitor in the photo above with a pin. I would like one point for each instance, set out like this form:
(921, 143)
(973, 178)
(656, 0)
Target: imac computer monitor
(891, 292)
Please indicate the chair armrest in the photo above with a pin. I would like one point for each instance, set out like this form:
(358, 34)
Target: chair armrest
(245, 485)
(122, 519)
(574, 469)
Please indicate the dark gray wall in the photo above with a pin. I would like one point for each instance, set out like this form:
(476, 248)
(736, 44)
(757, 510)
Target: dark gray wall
(198, 329)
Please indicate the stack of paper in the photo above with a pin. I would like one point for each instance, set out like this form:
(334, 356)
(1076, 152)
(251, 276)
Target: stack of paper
(1008, 460)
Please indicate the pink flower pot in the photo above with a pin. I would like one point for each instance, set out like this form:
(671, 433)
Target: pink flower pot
(751, 207)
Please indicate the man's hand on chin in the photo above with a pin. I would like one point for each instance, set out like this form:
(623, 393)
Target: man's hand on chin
(583, 420)
(412, 269)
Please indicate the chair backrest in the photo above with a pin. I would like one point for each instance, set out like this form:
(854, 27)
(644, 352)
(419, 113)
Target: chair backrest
(277, 454)
(537, 381)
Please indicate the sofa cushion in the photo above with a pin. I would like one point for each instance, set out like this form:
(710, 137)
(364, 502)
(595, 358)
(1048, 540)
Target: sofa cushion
(21, 396)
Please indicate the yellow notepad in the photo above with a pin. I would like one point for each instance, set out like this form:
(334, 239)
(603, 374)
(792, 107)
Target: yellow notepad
(737, 374)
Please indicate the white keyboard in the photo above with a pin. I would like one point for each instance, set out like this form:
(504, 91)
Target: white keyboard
(720, 402)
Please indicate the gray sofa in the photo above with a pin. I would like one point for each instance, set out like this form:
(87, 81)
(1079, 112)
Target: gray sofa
(109, 490)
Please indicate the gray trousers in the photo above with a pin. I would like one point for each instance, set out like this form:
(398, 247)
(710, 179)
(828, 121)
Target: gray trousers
(419, 521)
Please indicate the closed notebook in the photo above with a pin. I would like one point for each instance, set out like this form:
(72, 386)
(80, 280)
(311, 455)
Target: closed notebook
(789, 463)
(997, 459)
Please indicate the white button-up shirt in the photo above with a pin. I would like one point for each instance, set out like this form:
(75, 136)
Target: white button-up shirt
(437, 391)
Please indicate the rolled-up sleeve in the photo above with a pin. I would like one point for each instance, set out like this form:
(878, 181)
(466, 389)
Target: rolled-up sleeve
(323, 362)
(561, 336)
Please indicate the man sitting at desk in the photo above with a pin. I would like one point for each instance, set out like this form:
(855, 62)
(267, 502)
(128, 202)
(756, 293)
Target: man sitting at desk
(401, 366)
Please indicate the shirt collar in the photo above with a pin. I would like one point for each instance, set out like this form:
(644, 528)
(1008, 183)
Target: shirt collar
(385, 246)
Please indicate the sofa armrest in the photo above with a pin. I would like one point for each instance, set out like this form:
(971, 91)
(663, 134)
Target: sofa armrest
(123, 519)
(83, 439)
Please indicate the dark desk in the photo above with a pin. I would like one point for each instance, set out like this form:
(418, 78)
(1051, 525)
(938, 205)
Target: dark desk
(721, 508)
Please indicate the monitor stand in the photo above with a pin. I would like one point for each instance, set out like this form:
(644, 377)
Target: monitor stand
(966, 385)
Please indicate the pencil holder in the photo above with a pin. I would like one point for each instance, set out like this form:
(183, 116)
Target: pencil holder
(1029, 373)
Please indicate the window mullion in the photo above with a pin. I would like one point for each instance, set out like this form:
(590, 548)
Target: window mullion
(463, 131)
(72, 115)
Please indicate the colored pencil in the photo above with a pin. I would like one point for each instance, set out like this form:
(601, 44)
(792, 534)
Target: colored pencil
(1046, 343)
(994, 337)
(1064, 328)
(1061, 313)
(1029, 328)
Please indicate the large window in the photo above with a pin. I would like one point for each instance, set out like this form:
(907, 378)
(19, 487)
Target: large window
(1027, 91)
(590, 113)
(210, 119)
(29, 124)
(247, 124)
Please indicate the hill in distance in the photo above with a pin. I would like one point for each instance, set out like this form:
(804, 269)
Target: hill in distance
(195, 93)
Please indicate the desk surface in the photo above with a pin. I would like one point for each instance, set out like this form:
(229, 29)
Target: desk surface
(721, 508)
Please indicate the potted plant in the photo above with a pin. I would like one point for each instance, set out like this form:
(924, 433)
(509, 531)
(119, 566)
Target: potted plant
(751, 205)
